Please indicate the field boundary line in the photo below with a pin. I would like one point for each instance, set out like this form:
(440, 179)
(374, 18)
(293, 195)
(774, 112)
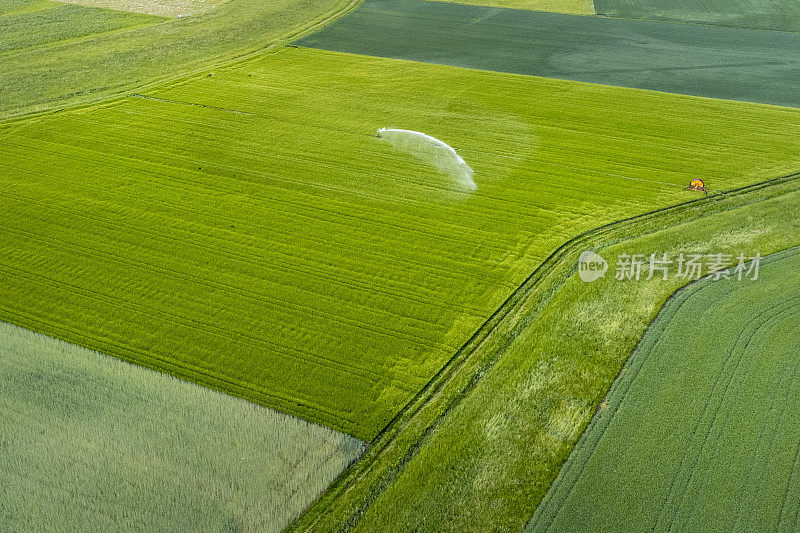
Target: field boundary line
(619, 389)
(408, 432)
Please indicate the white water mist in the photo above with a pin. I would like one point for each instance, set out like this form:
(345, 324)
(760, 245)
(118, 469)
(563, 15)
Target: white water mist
(432, 151)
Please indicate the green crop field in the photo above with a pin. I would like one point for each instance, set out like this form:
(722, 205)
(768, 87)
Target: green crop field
(730, 63)
(578, 7)
(701, 429)
(37, 24)
(90, 443)
(362, 219)
(482, 452)
(765, 14)
(249, 231)
(57, 72)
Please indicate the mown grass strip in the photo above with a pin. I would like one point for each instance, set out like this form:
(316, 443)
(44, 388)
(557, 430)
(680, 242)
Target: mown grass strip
(575, 7)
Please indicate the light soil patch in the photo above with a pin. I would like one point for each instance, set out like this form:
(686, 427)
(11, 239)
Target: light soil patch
(165, 8)
(91, 443)
(576, 7)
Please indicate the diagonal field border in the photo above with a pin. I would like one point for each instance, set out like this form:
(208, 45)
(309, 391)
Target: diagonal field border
(652, 337)
(350, 496)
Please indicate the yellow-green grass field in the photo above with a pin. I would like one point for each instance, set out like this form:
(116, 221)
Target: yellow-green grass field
(248, 230)
(576, 7)
(55, 55)
(91, 443)
(38, 25)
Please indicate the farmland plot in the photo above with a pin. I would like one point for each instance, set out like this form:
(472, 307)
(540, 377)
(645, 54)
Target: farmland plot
(249, 231)
(165, 8)
(578, 7)
(489, 448)
(90, 443)
(36, 24)
(61, 70)
(765, 14)
(700, 430)
(730, 63)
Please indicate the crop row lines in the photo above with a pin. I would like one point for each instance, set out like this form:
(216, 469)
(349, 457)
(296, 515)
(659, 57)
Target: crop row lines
(725, 377)
(412, 294)
(336, 216)
(249, 259)
(160, 315)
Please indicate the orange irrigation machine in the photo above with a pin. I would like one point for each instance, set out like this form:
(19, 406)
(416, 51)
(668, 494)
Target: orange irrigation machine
(697, 185)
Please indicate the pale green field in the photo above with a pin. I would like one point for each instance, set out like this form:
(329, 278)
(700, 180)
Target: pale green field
(28, 26)
(53, 68)
(91, 443)
(576, 7)
(166, 8)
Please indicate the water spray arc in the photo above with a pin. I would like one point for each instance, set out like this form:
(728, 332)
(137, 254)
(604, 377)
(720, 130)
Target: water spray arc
(432, 151)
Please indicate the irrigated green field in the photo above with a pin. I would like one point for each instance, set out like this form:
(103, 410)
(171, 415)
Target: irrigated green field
(249, 231)
(716, 62)
(482, 449)
(766, 14)
(90, 443)
(701, 429)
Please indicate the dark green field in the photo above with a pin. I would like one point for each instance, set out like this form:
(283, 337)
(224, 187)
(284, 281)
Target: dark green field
(766, 14)
(700, 431)
(730, 63)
